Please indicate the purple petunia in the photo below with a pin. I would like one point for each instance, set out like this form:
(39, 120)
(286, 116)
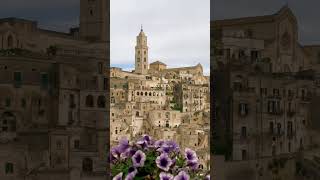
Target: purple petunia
(190, 155)
(159, 143)
(194, 165)
(182, 176)
(164, 162)
(130, 176)
(138, 159)
(207, 177)
(118, 176)
(123, 145)
(165, 176)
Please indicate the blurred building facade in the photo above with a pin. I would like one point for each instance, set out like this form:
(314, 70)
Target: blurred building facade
(53, 98)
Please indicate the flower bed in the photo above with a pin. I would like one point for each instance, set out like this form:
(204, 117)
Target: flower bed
(158, 160)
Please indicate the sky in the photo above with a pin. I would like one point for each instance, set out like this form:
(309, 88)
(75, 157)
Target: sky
(177, 30)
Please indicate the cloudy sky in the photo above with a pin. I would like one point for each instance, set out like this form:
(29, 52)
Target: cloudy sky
(178, 31)
(306, 11)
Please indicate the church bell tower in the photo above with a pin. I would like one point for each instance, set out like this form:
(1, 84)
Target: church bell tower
(93, 20)
(141, 54)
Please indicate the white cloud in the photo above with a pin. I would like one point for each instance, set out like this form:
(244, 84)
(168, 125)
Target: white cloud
(178, 31)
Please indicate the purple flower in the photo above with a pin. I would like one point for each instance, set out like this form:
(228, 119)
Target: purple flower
(130, 176)
(174, 146)
(138, 159)
(193, 164)
(129, 152)
(207, 177)
(164, 162)
(123, 145)
(182, 176)
(190, 155)
(165, 176)
(132, 170)
(146, 138)
(159, 143)
(118, 176)
(165, 149)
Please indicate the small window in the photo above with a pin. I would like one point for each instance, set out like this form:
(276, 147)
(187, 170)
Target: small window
(89, 101)
(87, 165)
(100, 68)
(59, 144)
(17, 77)
(44, 80)
(9, 168)
(23, 103)
(76, 144)
(101, 102)
(8, 102)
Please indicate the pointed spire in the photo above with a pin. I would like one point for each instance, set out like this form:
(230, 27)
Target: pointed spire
(141, 28)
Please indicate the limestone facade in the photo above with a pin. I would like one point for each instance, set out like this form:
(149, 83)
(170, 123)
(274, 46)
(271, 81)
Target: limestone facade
(53, 98)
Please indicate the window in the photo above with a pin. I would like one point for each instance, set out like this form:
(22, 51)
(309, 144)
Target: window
(145, 59)
(100, 68)
(17, 78)
(87, 165)
(105, 84)
(244, 132)
(10, 42)
(70, 117)
(71, 101)
(137, 113)
(244, 154)
(76, 144)
(89, 101)
(167, 123)
(271, 127)
(44, 80)
(289, 128)
(279, 128)
(59, 144)
(8, 122)
(9, 168)
(101, 102)
(8, 102)
(243, 109)
(23, 103)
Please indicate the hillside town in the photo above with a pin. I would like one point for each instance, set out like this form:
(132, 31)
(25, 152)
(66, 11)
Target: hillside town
(165, 103)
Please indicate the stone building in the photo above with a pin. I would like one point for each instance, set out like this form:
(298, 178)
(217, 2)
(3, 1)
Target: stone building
(265, 83)
(53, 98)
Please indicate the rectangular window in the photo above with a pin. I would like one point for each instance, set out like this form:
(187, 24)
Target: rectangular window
(76, 144)
(17, 77)
(105, 84)
(8, 102)
(100, 68)
(244, 132)
(9, 168)
(44, 80)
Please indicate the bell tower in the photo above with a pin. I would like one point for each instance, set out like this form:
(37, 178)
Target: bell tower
(141, 54)
(93, 20)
